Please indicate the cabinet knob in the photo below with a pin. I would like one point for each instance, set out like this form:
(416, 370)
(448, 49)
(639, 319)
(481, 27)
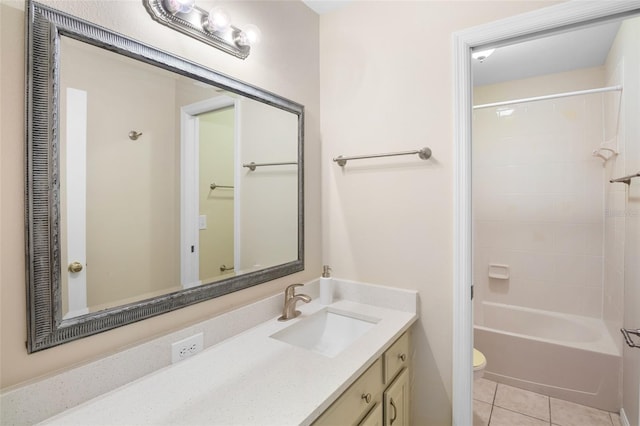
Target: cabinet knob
(75, 267)
(402, 357)
(366, 397)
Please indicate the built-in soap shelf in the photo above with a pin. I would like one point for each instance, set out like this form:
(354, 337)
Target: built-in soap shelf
(498, 271)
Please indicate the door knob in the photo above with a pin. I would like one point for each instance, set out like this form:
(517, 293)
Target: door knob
(75, 267)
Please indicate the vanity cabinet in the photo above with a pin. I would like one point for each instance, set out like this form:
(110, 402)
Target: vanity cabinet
(379, 397)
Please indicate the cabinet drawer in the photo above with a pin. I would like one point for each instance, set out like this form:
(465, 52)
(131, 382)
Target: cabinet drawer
(396, 358)
(352, 405)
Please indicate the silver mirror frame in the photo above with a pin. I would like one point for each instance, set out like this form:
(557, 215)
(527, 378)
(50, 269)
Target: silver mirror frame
(45, 326)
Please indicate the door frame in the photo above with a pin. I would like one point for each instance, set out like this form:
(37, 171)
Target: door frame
(557, 18)
(189, 184)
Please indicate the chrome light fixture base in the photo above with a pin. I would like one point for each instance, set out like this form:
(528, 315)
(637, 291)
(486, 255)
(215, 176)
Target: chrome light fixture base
(191, 23)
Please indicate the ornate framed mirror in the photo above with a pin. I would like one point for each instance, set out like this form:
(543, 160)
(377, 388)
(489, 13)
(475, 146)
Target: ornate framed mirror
(153, 183)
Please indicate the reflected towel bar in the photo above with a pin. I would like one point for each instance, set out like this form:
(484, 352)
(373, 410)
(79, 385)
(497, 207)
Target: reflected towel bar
(214, 186)
(625, 179)
(252, 166)
(424, 154)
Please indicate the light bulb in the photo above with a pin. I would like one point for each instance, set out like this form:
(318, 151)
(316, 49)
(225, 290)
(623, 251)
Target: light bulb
(482, 54)
(253, 34)
(218, 20)
(240, 38)
(182, 6)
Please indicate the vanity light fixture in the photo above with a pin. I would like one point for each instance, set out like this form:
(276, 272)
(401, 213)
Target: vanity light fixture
(212, 27)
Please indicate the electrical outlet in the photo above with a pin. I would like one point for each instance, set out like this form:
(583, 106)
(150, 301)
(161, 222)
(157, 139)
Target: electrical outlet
(185, 348)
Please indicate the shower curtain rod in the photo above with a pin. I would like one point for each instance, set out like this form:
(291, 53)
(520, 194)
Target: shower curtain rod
(554, 96)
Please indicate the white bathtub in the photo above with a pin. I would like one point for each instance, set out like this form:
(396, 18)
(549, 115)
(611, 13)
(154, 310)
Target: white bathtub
(564, 356)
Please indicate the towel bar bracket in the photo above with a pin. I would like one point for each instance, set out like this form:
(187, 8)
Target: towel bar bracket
(626, 332)
(625, 179)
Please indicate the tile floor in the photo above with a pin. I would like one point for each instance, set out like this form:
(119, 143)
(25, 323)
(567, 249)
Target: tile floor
(496, 404)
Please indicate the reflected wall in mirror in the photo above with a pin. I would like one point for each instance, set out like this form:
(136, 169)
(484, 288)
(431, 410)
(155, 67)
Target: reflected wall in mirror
(150, 207)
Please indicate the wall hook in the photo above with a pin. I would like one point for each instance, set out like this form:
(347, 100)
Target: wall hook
(133, 135)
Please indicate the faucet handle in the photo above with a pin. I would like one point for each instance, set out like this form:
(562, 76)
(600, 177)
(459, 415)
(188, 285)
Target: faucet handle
(290, 291)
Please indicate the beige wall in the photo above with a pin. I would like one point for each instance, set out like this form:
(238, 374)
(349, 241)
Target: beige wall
(286, 62)
(538, 195)
(386, 84)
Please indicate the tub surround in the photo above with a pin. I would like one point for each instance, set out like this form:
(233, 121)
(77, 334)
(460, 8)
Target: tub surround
(243, 375)
(560, 355)
(585, 333)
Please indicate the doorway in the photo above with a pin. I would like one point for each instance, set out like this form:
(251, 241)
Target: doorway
(216, 173)
(550, 20)
(205, 195)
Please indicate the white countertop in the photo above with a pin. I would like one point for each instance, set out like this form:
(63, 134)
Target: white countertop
(248, 379)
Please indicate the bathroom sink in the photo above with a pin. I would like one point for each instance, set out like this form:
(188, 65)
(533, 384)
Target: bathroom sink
(327, 332)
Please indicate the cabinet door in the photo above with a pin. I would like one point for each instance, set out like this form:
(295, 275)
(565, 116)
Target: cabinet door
(396, 401)
(355, 403)
(374, 418)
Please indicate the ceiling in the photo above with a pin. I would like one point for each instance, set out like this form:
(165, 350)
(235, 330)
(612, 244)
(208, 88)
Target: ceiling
(325, 6)
(582, 48)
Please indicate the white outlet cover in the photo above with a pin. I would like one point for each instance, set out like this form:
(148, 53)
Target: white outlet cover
(185, 348)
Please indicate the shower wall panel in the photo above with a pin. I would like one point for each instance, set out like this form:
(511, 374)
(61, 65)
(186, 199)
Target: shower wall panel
(615, 198)
(538, 204)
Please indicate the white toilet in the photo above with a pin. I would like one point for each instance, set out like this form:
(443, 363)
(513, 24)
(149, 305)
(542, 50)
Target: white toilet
(479, 363)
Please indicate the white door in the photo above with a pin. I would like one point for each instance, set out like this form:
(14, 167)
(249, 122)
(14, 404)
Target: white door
(76, 202)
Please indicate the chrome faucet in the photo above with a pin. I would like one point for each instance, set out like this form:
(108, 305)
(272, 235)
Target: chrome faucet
(290, 299)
